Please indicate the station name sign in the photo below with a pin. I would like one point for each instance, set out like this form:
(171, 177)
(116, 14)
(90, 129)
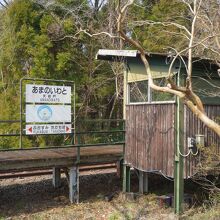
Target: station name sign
(48, 109)
(48, 94)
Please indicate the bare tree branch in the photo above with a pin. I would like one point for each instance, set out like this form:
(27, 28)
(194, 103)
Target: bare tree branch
(186, 94)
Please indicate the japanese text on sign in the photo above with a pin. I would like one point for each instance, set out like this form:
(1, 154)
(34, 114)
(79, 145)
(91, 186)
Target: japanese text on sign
(48, 129)
(48, 94)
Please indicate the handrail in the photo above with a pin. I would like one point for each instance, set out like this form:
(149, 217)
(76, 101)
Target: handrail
(83, 120)
(79, 132)
(65, 146)
(9, 121)
(100, 120)
(114, 134)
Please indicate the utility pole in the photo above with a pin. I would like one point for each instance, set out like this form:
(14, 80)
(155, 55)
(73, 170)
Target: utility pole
(178, 160)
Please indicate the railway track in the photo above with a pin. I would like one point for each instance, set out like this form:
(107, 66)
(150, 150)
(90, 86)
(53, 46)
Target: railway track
(40, 172)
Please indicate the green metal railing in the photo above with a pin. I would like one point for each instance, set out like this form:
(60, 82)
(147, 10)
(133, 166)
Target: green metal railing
(99, 133)
(88, 133)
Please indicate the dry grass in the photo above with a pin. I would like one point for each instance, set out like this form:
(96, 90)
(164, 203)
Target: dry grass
(34, 198)
(144, 207)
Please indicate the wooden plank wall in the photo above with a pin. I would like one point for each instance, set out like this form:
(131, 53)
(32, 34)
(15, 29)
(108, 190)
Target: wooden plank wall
(194, 126)
(150, 137)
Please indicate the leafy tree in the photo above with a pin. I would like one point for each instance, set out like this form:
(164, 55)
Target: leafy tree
(38, 41)
(148, 27)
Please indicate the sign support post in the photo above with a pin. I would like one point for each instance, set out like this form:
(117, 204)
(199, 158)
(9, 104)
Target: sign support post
(21, 110)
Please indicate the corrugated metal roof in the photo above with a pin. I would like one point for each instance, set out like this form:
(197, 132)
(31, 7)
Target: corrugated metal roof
(119, 55)
(107, 54)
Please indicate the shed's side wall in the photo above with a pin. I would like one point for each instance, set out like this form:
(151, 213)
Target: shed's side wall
(150, 137)
(194, 126)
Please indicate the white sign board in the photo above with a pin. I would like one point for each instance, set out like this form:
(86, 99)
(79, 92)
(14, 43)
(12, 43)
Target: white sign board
(124, 53)
(48, 94)
(48, 113)
(48, 129)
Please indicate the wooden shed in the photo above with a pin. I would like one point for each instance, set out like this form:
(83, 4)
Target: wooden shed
(155, 122)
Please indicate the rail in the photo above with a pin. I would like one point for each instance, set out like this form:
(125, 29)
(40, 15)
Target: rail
(88, 133)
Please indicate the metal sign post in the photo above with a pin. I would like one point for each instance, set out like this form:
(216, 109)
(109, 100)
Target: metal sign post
(49, 108)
